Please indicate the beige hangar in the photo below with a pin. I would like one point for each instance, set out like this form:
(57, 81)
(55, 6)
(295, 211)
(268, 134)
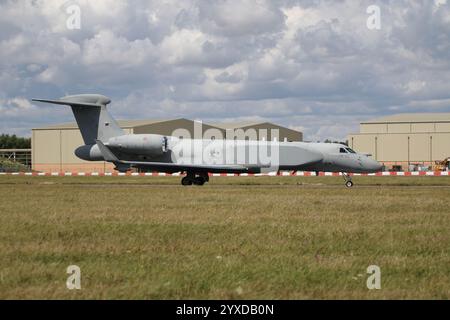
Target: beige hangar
(406, 141)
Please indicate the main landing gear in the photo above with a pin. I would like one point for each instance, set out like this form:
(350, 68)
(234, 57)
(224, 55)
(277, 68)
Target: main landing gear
(348, 180)
(195, 179)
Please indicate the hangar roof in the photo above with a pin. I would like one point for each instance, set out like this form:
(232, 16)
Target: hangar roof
(244, 124)
(122, 124)
(234, 125)
(138, 123)
(412, 117)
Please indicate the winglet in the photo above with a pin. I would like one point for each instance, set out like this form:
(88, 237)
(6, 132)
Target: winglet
(106, 153)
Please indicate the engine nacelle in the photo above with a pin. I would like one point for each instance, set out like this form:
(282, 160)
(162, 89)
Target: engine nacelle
(89, 153)
(142, 144)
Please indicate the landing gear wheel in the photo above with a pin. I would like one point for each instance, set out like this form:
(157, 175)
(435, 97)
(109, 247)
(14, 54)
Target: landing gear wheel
(348, 180)
(186, 181)
(199, 181)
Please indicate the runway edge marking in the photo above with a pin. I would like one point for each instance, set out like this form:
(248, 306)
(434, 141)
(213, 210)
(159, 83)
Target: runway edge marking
(267, 174)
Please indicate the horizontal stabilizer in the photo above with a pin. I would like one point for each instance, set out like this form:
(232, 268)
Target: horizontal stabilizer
(68, 103)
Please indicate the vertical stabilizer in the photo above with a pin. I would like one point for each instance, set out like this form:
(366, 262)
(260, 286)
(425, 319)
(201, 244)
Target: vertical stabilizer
(92, 117)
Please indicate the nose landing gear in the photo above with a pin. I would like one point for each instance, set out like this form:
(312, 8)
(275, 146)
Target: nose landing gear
(193, 179)
(348, 180)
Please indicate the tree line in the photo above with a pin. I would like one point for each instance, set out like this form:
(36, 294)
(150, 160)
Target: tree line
(14, 142)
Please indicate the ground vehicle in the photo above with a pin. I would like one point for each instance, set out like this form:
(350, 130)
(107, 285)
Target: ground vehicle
(443, 165)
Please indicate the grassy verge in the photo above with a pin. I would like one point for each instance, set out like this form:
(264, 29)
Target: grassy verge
(264, 237)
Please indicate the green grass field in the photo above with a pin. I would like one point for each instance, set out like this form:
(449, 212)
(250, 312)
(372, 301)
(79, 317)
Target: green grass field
(235, 238)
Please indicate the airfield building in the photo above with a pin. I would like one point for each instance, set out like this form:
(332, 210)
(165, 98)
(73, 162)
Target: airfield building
(408, 141)
(53, 146)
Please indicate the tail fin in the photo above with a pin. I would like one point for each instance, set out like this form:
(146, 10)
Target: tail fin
(92, 117)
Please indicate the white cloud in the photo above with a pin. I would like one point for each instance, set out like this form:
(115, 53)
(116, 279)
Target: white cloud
(107, 48)
(248, 17)
(20, 103)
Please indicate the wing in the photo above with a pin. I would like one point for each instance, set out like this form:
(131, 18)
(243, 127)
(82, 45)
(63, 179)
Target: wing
(167, 166)
(174, 167)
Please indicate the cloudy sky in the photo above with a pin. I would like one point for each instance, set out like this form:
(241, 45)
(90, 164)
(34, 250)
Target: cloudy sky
(310, 65)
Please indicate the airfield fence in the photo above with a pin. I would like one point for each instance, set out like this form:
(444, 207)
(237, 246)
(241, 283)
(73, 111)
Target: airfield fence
(15, 158)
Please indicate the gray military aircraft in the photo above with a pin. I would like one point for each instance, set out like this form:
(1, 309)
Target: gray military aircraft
(105, 140)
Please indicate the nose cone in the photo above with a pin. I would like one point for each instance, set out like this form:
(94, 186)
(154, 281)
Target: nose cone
(372, 165)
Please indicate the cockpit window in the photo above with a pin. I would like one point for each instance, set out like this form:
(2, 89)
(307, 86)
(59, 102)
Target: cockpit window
(346, 150)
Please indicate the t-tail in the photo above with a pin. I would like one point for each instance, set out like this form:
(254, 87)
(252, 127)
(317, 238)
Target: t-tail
(92, 117)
